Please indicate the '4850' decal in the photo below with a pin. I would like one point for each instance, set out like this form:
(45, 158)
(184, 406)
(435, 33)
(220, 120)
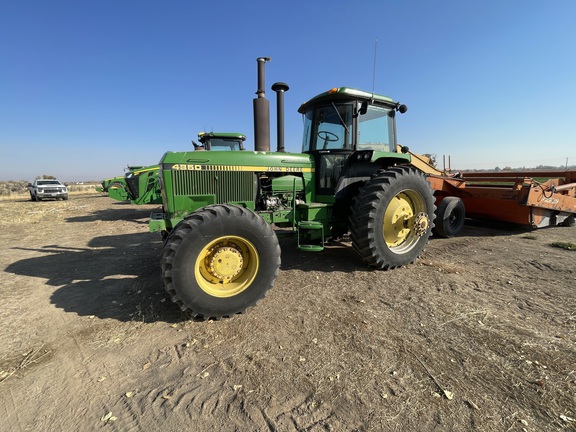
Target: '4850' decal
(196, 167)
(200, 167)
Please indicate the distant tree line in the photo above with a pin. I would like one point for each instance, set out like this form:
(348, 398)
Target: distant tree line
(536, 168)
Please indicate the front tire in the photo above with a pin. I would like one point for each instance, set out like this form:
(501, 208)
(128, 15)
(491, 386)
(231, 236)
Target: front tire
(392, 218)
(219, 261)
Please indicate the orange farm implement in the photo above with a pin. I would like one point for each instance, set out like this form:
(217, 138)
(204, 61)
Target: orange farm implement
(534, 199)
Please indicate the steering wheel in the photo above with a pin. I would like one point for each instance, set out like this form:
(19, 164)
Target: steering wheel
(327, 137)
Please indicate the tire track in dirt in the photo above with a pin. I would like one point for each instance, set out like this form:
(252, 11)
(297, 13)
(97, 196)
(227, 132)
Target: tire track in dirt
(210, 402)
(191, 389)
(187, 386)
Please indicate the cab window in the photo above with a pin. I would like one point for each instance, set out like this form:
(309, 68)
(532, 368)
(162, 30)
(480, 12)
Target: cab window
(307, 131)
(329, 128)
(375, 130)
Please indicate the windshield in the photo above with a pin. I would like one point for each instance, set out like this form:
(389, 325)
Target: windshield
(328, 127)
(48, 182)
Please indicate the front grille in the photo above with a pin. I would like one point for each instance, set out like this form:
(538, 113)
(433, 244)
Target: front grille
(228, 186)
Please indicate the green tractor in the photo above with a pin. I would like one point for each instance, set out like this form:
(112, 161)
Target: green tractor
(142, 186)
(221, 254)
(115, 187)
(140, 183)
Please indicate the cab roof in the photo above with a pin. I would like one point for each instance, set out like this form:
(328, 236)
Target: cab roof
(340, 93)
(232, 135)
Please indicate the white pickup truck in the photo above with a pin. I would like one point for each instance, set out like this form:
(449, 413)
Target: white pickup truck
(43, 188)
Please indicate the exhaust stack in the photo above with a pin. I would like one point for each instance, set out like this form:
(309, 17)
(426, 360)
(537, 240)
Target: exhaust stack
(261, 111)
(280, 88)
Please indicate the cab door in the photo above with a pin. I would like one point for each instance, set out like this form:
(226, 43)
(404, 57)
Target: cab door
(330, 142)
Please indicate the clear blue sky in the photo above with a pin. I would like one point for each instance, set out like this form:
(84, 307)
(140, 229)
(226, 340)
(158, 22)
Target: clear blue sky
(87, 87)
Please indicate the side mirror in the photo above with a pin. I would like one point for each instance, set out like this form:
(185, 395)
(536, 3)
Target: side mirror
(29, 184)
(363, 108)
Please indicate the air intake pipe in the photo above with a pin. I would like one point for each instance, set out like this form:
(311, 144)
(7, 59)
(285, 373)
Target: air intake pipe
(280, 88)
(261, 111)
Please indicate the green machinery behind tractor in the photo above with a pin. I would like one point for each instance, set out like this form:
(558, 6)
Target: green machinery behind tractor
(221, 254)
(111, 184)
(140, 183)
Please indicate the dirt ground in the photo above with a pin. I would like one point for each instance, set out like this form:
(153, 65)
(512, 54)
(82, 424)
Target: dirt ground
(478, 335)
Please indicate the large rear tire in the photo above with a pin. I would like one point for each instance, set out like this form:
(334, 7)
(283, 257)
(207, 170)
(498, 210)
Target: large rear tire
(219, 261)
(450, 217)
(392, 218)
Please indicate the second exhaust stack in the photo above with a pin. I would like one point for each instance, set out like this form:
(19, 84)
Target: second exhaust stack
(280, 88)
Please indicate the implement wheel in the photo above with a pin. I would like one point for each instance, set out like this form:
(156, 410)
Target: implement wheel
(569, 221)
(450, 216)
(391, 218)
(219, 261)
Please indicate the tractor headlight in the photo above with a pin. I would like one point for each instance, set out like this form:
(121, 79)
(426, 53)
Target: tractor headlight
(363, 156)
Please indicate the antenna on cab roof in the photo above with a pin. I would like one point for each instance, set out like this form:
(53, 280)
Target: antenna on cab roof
(374, 70)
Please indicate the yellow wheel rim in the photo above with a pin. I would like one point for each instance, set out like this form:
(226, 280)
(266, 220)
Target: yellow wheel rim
(405, 220)
(226, 266)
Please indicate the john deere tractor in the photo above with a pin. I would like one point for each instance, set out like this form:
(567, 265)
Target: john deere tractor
(115, 187)
(221, 253)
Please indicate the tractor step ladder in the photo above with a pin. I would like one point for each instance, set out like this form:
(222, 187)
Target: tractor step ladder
(312, 233)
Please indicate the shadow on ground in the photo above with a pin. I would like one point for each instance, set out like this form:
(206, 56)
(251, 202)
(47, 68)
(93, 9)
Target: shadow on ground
(121, 211)
(114, 277)
(119, 276)
(336, 256)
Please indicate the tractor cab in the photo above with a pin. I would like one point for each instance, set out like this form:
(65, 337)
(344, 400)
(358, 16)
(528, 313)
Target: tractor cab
(347, 131)
(214, 141)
